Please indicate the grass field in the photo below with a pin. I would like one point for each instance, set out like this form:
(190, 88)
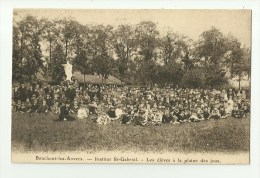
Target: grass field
(33, 132)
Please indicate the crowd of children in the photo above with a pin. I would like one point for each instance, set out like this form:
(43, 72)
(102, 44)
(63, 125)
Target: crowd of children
(129, 105)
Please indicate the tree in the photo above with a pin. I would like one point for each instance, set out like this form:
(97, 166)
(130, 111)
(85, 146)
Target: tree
(237, 60)
(27, 49)
(81, 43)
(102, 50)
(247, 61)
(194, 78)
(56, 70)
(240, 63)
(211, 50)
(17, 62)
(211, 46)
(147, 40)
(102, 66)
(214, 76)
(173, 47)
(188, 63)
(50, 35)
(66, 29)
(147, 73)
(124, 47)
(137, 55)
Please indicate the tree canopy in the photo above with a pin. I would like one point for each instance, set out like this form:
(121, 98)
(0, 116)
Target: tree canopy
(137, 54)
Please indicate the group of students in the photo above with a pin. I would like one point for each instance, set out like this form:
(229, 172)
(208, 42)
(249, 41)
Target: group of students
(129, 105)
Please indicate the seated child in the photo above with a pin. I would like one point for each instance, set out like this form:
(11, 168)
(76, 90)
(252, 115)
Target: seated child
(112, 113)
(23, 108)
(166, 118)
(48, 100)
(28, 105)
(199, 113)
(92, 107)
(157, 117)
(18, 106)
(222, 112)
(148, 112)
(35, 106)
(13, 105)
(43, 108)
(102, 117)
(82, 112)
(140, 119)
(229, 106)
(181, 118)
(194, 116)
(55, 109)
(186, 115)
(126, 116)
(74, 108)
(119, 111)
(64, 114)
(215, 113)
(206, 113)
(175, 114)
(236, 112)
(246, 110)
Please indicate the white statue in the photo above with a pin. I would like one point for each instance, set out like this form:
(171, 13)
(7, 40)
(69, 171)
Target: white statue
(68, 70)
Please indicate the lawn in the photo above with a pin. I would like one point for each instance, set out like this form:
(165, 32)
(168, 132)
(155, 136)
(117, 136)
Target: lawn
(34, 132)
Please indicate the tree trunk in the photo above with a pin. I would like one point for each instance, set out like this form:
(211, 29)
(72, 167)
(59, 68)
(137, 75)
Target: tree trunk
(231, 70)
(84, 78)
(49, 59)
(66, 49)
(239, 81)
(50, 50)
(21, 49)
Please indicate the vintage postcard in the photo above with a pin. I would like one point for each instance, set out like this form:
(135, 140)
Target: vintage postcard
(131, 86)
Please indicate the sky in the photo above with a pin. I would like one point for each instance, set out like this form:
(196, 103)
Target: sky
(187, 22)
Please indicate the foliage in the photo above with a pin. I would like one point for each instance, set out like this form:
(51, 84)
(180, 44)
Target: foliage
(137, 54)
(124, 44)
(194, 78)
(173, 47)
(55, 69)
(27, 54)
(147, 40)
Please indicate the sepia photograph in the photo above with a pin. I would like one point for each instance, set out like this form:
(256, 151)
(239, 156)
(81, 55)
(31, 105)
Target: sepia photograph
(161, 86)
